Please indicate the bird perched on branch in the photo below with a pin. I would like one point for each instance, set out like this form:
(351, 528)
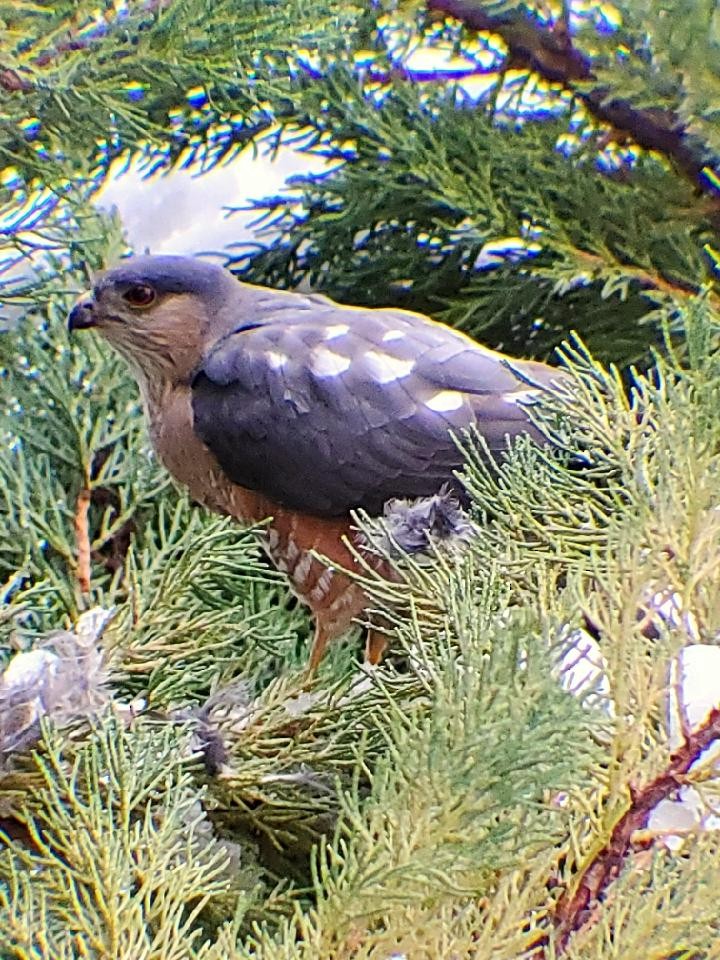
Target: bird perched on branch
(268, 403)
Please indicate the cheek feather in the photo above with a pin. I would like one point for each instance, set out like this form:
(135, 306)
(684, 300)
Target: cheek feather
(165, 340)
(180, 316)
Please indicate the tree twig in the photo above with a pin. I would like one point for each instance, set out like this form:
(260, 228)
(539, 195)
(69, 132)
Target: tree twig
(575, 910)
(12, 82)
(677, 290)
(82, 538)
(551, 54)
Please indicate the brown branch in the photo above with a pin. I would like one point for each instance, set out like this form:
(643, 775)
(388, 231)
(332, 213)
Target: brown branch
(577, 907)
(82, 539)
(75, 43)
(677, 290)
(550, 53)
(12, 82)
(434, 75)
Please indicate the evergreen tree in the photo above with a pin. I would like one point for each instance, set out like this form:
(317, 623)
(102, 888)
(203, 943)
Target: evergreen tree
(529, 773)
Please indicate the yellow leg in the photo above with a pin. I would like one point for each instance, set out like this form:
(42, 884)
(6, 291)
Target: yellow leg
(319, 645)
(375, 646)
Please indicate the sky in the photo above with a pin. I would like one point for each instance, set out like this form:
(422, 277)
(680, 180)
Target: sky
(183, 211)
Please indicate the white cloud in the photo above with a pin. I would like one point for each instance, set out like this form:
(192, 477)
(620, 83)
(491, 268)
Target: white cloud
(182, 211)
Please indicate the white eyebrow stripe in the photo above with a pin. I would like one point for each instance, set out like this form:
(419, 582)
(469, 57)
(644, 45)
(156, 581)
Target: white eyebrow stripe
(385, 368)
(445, 400)
(392, 335)
(336, 330)
(326, 363)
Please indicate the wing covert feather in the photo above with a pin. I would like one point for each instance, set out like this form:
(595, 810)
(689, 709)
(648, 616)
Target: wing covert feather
(331, 408)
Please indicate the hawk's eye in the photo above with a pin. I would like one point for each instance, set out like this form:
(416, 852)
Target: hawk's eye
(139, 295)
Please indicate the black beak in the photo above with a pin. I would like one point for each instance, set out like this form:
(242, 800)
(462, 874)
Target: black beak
(82, 316)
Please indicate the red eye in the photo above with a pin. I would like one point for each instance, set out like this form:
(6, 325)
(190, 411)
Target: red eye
(139, 295)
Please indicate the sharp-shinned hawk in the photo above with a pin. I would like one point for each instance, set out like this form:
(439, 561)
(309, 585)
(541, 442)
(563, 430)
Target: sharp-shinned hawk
(268, 403)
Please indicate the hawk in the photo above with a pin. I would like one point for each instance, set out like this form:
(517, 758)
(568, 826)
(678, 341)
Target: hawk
(283, 405)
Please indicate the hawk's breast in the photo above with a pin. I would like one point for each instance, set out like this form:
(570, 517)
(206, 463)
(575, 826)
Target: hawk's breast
(292, 538)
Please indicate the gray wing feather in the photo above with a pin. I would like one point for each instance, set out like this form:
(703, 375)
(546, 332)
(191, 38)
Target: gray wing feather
(325, 419)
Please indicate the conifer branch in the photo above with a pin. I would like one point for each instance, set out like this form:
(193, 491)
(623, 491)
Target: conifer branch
(75, 42)
(82, 538)
(400, 811)
(550, 53)
(437, 75)
(677, 289)
(12, 82)
(574, 910)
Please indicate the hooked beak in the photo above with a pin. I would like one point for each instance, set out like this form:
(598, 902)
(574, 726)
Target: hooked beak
(82, 316)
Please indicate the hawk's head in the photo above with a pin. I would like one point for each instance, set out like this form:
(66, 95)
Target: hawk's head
(156, 311)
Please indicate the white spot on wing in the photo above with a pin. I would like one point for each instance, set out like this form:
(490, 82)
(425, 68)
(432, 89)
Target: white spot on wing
(326, 363)
(385, 368)
(336, 330)
(444, 401)
(520, 396)
(392, 335)
(276, 360)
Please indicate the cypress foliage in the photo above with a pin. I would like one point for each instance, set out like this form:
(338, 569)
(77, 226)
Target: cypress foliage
(527, 775)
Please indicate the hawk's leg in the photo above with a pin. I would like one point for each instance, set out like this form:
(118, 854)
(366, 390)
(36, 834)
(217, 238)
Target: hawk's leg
(320, 641)
(376, 644)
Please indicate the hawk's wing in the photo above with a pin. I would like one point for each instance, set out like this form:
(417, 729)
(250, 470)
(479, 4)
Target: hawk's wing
(327, 409)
